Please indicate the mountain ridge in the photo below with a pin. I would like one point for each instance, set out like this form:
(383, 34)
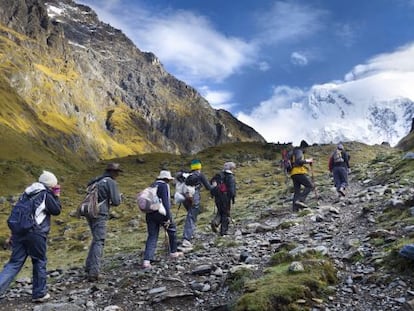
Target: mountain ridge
(95, 93)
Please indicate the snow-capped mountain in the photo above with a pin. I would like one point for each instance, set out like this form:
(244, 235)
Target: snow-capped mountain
(335, 117)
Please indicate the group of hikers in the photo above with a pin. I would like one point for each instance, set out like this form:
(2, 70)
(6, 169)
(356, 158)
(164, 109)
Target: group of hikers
(295, 165)
(44, 197)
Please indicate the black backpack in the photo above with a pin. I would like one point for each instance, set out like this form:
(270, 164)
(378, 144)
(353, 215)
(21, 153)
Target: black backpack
(222, 184)
(192, 180)
(22, 216)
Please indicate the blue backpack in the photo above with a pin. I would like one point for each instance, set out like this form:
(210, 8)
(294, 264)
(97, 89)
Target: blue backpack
(22, 216)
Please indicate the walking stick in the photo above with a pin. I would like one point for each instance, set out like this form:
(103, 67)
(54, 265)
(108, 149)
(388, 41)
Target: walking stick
(166, 241)
(314, 184)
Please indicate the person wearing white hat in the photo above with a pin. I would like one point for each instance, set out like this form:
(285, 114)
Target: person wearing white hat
(44, 195)
(155, 220)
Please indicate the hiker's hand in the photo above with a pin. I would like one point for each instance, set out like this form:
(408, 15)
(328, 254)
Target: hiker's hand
(310, 161)
(349, 171)
(7, 243)
(166, 224)
(56, 190)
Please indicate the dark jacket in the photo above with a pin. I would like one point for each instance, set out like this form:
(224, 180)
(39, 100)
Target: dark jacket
(163, 192)
(46, 204)
(345, 163)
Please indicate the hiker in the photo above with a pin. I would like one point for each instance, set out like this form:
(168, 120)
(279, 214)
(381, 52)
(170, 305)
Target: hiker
(224, 192)
(108, 195)
(155, 220)
(193, 206)
(300, 177)
(339, 167)
(45, 195)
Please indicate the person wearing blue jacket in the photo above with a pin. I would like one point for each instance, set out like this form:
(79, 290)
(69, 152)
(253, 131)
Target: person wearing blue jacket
(45, 195)
(156, 219)
(108, 195)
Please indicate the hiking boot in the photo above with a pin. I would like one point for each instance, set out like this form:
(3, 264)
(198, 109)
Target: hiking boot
(176, 255)
(214, 227)
(93, 278)
(186, 243)
(146, 265)
(300, 204)
(342, 191)
(41, 299)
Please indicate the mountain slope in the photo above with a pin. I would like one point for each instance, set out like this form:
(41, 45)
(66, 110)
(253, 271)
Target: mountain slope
(93, 93)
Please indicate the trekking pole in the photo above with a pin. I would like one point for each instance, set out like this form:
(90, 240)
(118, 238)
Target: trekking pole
(166, 242)
(314, 184)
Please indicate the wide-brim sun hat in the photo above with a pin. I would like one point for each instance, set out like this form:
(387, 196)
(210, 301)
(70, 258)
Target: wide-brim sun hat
(114, 167)
(165, 175)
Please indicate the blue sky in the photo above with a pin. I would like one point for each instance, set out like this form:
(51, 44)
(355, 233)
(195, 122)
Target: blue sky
(251, 56)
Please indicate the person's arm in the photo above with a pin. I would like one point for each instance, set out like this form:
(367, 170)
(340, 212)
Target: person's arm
(163, 194)
(52, 203)
(205, 182)
(114, 195)
(232, 187)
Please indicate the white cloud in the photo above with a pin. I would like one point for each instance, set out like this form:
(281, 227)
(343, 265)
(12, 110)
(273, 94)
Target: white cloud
(298, 59)
(286, 116)
(287, 21)
(264, 66)
(217, 99)
(187, 43)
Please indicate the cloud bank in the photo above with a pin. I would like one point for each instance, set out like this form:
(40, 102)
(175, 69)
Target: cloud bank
(287, 115)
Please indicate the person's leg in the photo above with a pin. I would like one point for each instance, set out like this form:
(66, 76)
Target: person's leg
(191, 219)
(308, 187)
(14, 265)
(225, 220)
(337, 177)
(172, 236)
(153, 229)
(98, 230)
(37, 248)
(296, 188)
(190, 223)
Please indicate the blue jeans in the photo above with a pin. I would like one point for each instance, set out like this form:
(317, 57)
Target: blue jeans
(340, 175)
(191, 218)
(98, 230)
(154, 222)
(32, 244)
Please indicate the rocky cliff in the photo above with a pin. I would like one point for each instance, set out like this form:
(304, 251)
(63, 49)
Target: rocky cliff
(73, 85)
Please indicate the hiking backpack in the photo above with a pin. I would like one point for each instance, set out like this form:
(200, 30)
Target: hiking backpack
(22, 216)
(337, 156)
(185, 186)
(148, 200)
(221, 184)
(89, 207)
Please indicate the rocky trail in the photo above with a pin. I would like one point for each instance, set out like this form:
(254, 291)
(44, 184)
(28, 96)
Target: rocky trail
(338, 227)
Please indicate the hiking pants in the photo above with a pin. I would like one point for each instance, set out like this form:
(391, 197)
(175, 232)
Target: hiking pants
(191, 219)
(300, 180)
(340, 176)
(223, 204)
(32, 244)
(98, 230)
(154, 222)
